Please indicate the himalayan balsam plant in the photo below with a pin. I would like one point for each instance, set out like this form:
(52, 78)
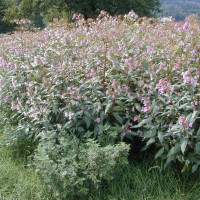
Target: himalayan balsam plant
(105, 81)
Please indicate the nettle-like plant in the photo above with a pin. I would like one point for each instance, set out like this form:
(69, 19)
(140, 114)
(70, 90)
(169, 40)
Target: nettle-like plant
(74, 167)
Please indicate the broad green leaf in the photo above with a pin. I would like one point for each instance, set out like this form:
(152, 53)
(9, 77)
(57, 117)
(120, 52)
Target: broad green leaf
(102, 116)
(68, 125)
(198, 132)
(118, 108)
(169, 160)
(194, 116)
(108, 107)
(197, 148)
(160, 137)
(159, 153)
(151, 141)
(118, 118)
(88, 119)
(174, 150)
(138, 107)
(183, 145)
(144, 121)
(194, 168)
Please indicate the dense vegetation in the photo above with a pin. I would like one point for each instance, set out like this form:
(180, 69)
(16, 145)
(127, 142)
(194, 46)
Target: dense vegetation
(18, 182)
(43, 12)
(179, 9)
(73, 93)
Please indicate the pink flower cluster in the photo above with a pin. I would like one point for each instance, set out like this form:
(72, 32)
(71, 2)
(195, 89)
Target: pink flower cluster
(187, 77)
(147, 105)
(182, 121)
(163, 86)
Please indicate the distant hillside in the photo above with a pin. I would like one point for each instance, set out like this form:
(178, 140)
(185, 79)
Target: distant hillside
(179, 9)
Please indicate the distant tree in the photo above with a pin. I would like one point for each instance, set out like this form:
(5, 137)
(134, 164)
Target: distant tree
(4, 25)
(45, 10)
(91, 8)
(2, 9)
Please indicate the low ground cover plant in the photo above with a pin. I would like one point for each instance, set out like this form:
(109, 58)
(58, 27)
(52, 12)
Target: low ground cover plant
(101, 82)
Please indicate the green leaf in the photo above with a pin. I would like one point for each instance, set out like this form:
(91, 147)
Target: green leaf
(184, 145)
(198, 132)
(118, 108)
(169, 160)
(118, 118)
(88, 119)
(160, 153)
(138, 107)
(194, 116)
(174, 150)
(160, 137)
(185, 167)
(68, 125)
(144, 121)
(46, 124)
(151, 141)
(108, 107)
(194, 168)
(183, 106)
(197, 148)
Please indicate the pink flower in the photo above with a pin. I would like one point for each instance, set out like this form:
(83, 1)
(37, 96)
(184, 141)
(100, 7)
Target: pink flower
(181, 120)
(147, 105)
(185, 26)
(78, 97)
(198, 72)
(163, 86)
(7, 98)
(187, 79)
(165, 126)
(98, 120)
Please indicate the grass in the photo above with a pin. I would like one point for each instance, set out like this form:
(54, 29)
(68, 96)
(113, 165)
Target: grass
(17, 181)
(141, 181)
(144, 181)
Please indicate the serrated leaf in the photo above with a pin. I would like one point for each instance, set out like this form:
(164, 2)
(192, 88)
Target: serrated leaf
(159, 153)
(183, 145)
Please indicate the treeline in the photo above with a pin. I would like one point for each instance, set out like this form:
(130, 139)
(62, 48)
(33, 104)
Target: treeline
(179, 9)
(40, 12)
